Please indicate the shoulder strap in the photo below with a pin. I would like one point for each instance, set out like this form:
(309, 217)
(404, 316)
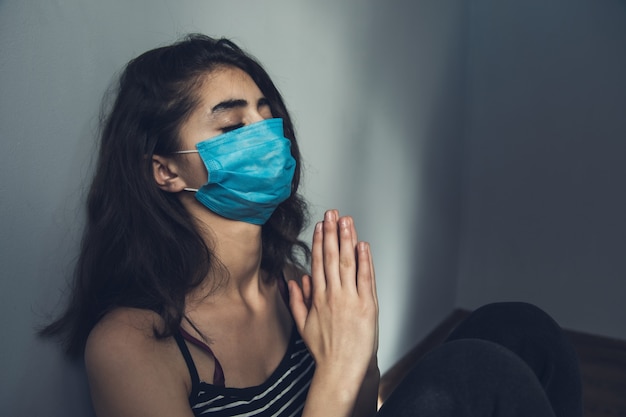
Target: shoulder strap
(195, 379)
(218, 373)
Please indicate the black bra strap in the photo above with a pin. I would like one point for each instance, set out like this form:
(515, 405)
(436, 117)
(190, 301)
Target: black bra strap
(193, 372)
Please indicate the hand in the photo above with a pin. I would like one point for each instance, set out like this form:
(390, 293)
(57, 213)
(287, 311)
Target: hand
(336, 310)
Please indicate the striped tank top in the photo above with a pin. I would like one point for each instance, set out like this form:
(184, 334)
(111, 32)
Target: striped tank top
(282, 395)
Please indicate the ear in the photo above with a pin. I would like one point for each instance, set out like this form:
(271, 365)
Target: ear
(165, 171)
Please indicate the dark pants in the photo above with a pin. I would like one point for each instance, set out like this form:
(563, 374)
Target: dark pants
(504, 360)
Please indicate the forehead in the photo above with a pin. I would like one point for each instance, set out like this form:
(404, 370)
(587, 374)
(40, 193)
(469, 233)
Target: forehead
(225, 83)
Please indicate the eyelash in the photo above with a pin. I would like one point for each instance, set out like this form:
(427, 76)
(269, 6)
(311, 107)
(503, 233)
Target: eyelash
(231, 128)
(262, 103)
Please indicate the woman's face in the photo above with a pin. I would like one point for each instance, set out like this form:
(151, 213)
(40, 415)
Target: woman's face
(228, 99)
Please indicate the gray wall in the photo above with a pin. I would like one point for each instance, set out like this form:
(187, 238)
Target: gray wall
(545, 196)
(479, 146)
(376, 93)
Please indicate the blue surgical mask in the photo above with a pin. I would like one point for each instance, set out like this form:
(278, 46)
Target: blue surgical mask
(250, 171)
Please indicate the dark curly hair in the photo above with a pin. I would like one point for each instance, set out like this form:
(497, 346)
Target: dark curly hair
(140, 246)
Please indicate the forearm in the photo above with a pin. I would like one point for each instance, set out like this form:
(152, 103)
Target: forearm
(337, 393)
(367, 399)
(333, 393)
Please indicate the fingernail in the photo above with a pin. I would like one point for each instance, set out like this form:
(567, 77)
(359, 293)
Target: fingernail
(318, 226)
(330, 215)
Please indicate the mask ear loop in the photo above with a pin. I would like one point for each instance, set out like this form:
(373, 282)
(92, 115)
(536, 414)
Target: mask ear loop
(189, 151)
(193, 190)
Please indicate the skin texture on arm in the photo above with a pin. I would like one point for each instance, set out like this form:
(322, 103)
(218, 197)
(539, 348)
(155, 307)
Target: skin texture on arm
(133, 374)
(336, 312)
(367, 399)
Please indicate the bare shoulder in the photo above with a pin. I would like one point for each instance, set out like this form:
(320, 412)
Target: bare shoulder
(131, 371)
(127, 332)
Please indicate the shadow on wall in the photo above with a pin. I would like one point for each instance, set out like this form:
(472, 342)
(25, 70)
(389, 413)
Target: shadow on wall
(410, 169)
(545, 196)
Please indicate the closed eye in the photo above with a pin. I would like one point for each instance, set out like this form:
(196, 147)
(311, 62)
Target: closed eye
(231, 127)
(263, 107)
(263, 102)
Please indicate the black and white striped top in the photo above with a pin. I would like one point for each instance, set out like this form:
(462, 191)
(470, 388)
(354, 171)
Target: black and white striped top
(282, 395)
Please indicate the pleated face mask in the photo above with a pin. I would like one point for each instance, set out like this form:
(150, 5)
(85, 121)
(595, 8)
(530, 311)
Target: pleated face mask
(250, 171)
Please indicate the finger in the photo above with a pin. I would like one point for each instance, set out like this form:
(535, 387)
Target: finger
(374, 289)
(373, 274)
(364, 269)
(355, 238)
(374, 294)
(347, 254)
(318, 279)
(331, 249)
(298, 308)
(306, 290)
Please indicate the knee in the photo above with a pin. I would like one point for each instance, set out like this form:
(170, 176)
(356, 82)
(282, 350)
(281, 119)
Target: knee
(464, 377)
(515, 311)
(461, 368)
(496, 320)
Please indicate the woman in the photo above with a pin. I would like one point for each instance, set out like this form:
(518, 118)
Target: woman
(189, 297)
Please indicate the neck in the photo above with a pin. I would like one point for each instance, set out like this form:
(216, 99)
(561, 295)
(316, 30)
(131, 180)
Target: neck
(237, 246)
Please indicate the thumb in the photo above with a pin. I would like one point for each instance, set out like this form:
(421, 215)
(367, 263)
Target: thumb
(297, 305)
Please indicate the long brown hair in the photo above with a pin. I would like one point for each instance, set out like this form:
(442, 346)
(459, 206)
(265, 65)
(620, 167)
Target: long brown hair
(140, 247)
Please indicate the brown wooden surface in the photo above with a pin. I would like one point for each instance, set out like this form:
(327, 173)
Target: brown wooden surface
(603, 369)
(602, 365)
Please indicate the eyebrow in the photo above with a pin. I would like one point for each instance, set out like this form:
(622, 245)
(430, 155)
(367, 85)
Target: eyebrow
(235, 103)
(228, 105)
